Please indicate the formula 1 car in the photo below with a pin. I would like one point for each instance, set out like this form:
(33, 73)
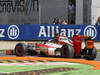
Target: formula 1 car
(60, 46)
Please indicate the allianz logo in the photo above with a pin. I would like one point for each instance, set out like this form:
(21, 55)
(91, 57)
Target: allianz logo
(90, 31)
(13, 32)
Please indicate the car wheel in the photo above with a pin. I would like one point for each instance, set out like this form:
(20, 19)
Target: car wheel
(67, 51)
(91, 56)
(20, 49)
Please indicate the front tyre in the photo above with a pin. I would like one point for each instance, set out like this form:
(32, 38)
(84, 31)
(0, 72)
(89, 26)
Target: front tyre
(67, 51)
(20, 49)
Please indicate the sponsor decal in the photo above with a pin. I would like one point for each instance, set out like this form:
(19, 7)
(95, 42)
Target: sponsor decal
(46, 32)
(2, 33)
(13, 32)
(50, 31)
(18, 6)
(90, 31)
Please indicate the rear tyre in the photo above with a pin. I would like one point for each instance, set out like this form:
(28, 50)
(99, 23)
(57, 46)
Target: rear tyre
(20, 50)
(67, 51)
(92, 55)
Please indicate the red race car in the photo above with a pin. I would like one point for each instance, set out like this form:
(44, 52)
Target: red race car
(60, 46)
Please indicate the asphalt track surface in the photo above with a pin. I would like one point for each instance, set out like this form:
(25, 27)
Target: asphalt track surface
(97, 58)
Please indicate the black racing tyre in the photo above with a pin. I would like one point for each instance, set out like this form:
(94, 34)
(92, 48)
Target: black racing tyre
(67, 51)
(91, 56)
(20, 50)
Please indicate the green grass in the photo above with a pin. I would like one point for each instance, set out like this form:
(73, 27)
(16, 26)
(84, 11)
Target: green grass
(82, 69)
(12, 69)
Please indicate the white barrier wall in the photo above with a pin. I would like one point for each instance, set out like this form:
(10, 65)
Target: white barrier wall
(11, 44)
